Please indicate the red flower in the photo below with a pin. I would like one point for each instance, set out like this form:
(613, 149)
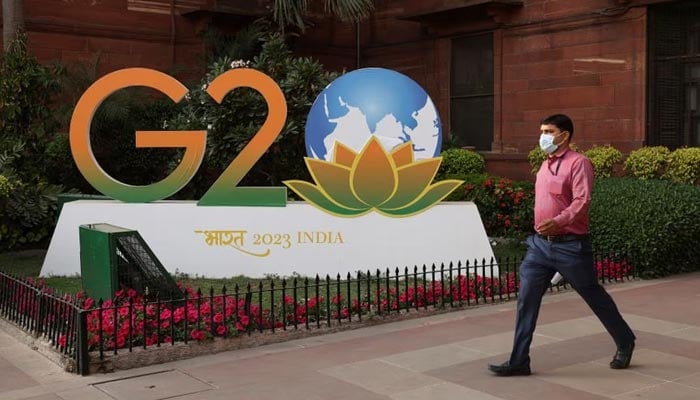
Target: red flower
(165, 314)
(197, 335)
(218, 318)
(88, 303)
(221, 330)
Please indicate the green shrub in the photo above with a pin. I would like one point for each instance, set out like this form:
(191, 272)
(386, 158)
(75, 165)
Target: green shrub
(27, 115)
(684, 166)
(647, 162)
(6, 186)
(505, 206)
(461, 162)
(603, 159)
(460, 194)
(655, 221)
(27, 213)
(536, 157)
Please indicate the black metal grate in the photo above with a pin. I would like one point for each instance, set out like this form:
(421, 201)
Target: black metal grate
(673, 33)
(139, 269)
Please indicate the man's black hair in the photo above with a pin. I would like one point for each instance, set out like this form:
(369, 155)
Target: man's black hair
(562, 122)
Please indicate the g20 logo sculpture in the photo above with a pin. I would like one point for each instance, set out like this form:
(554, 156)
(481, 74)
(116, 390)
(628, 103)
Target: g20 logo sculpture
(350, 180)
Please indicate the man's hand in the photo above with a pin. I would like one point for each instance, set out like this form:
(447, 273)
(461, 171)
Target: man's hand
(548, 228)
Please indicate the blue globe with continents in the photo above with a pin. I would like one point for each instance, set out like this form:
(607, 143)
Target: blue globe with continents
(373, 102)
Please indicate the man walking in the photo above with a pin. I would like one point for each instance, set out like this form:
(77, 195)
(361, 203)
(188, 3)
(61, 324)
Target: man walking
(562, 244)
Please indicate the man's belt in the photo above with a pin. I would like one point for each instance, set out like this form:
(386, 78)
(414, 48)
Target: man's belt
(565, 238)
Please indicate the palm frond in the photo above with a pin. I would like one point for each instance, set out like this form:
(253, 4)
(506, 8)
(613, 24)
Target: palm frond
(290, 12)
(350, 10)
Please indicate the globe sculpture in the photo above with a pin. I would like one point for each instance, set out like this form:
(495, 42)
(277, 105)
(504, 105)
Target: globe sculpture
(373, 102)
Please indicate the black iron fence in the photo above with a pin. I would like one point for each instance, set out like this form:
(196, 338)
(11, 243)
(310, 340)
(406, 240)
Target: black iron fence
(39, 311)
(78, 326)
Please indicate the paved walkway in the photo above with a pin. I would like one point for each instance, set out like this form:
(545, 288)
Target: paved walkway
(438, 357)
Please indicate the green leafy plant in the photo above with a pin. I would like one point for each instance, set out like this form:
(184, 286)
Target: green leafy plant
(6, 186)
(655, 221)
(28, 124)
(536, 157)
(237, 119)
(28, 212)
(27, 89)
(505, 206)
(684, 166)
(293, 12)
(647, 162)
(603, 159)
(461, 162)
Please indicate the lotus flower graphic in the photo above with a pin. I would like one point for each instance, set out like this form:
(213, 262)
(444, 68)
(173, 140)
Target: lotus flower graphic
(353, 184)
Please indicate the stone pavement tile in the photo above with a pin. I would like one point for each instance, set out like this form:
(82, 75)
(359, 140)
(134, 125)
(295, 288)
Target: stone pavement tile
(443, 391)
(659, 365)
(653, 325)
(12, 378)
(32, 363)
(500, 343)
(380, 377)
(590, 377)
(668, 344)
(6, 340)
(433, 357)
(571, 328)
(474, 375)
(692, 333)
(648, 301)
(48, 396)
(569, 352)
(85, 393)
(269, 376)
(311, 386)
(27, 393)
(692, 381)
(153, 386)
(664, 391)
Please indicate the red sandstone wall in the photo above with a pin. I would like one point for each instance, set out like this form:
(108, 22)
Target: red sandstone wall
(591, 67)
(550, 56)
(118, 33)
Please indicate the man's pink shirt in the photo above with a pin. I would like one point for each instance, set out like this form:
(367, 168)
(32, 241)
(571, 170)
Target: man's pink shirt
(565, 196)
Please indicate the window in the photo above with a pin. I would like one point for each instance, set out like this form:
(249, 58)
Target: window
(674, 75)
(471, 91)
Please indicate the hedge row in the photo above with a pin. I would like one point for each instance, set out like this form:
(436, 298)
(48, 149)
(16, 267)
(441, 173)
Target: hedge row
(681, 165)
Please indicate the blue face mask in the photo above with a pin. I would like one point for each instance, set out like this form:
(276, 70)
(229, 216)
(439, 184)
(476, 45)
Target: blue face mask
(547, 143)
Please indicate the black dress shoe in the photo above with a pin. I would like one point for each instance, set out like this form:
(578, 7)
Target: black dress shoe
(506, 369)
(622, 358)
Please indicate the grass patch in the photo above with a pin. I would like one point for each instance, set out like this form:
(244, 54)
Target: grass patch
(22, 263)
(509, 248)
